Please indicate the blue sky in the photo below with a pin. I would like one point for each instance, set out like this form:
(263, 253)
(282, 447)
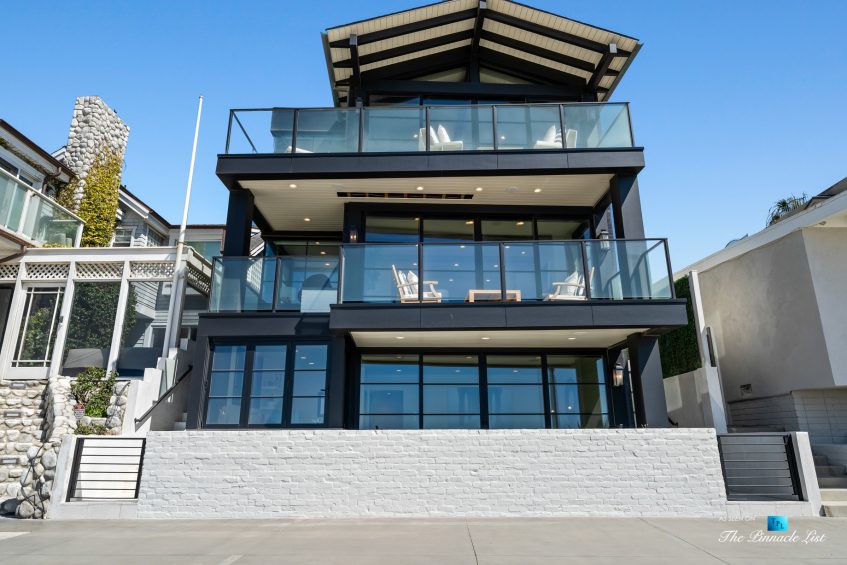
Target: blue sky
(738, 103)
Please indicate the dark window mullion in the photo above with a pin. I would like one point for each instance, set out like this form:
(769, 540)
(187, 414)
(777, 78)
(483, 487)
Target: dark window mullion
(288, 383)
(482, 379)
(420, 392)
(247, 386)
(545, 383)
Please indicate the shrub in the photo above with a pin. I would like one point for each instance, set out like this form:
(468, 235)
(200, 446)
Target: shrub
(91, 429)
(678, 348)
(99, 204)
(93, 387)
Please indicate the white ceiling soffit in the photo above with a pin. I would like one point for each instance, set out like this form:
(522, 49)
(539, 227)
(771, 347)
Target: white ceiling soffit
(285, 208)
(522, 338)
(553, 33)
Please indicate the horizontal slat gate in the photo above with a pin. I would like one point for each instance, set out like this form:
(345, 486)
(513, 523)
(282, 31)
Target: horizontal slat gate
(759, 466)
(106, 468)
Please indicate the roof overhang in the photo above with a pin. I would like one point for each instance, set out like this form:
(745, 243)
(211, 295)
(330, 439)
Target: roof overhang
(504, 36)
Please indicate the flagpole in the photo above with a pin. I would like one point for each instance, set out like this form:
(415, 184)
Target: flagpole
(177, 287)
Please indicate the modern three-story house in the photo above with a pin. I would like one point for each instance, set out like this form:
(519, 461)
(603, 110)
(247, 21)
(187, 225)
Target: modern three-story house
(457, 243)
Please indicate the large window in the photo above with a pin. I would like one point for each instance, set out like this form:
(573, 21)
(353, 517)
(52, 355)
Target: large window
(478, 227)
(267, 385)
(38, 329)
(399, 391)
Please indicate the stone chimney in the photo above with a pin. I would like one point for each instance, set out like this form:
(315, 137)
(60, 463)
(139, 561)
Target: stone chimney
(93, 127)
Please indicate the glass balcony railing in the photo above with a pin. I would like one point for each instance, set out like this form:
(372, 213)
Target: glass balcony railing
(388, 273)
(409, 129)
(35, 217)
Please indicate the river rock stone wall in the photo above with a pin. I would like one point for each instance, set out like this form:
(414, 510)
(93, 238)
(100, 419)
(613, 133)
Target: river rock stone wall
(94, 126)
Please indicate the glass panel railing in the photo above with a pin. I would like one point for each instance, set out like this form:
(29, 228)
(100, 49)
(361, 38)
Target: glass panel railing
(34, 216)
(545, 270)
(242, 284)
(394, 129)
(402, 129)
(376, 273)
(461, 128)
(528, 127)
(468, 272)
(592, 126)
(624, 269)
(307, 284)
(334, 130)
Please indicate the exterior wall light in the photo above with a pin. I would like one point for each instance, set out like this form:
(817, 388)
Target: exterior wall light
(617, 375)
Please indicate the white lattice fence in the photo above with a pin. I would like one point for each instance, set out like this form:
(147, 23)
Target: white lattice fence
(99, 271)
(151, 270)
(46, 271)
(8, 272)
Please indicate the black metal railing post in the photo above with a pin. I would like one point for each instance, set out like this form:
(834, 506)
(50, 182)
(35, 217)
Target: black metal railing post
(140, 466)
(670, 270)
(426, 128)
(228, 131)
(494, 125)
(294, 126)
(503, 292)
(361, 129)
(586, 273)
(75, 469)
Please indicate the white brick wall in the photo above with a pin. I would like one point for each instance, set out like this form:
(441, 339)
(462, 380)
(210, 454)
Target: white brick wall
(345, 473)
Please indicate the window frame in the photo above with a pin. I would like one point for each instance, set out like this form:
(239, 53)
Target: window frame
(481, 356)
(247, 382)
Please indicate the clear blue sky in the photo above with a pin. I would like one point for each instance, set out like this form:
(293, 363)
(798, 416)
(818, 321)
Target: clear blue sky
(738, 103)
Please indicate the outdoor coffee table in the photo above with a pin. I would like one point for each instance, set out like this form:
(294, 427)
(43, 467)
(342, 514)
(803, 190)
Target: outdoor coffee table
(476, 294)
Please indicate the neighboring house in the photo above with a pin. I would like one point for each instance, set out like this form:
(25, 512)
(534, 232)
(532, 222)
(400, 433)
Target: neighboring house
(29, 178)
(775, 305)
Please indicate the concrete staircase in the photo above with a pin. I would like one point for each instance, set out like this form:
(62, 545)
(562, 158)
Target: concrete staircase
(832, 481)
(179, 425)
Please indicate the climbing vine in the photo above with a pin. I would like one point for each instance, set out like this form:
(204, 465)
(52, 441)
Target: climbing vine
(99, 204)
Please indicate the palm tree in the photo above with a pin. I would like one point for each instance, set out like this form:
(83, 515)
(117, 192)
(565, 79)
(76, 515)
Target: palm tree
(784, 206)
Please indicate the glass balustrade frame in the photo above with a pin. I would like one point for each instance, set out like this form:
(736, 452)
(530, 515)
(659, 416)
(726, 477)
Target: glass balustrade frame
(600, 270)
(563, 122)
(34, 207)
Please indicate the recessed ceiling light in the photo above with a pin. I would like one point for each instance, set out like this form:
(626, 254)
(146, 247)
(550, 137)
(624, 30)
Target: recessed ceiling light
(307, 219)
(419, 188)
(537, 190)
(571, 338)
(292, 185)
(485, 338)
(323, 252)
(469, 223)
(327, 264)
(479, 189)
(399, 337)
(519, 223)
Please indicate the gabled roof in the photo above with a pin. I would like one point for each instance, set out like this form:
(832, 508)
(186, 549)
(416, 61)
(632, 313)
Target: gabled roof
(500, 34)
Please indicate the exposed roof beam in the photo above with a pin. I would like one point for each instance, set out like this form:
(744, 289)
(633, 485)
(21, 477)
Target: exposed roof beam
(412, 27)
(464, 89)
(531, 71)
(473, 63)
(595, 46)
(417, 66)
(574, 62)
(406, 49)
(354, 59)
(603, 66)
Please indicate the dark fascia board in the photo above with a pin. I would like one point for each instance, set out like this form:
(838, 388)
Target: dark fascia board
(468, 89)
(622, 72)
(234, 168)
(658, 315)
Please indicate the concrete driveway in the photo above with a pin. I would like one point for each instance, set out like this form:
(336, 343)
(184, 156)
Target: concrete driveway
(633, 541)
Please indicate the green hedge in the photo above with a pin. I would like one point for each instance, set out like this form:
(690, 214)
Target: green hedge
(678, 348)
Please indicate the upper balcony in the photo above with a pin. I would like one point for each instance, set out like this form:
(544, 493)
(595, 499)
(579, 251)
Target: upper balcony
(402, 141)
(455, 128)
(32, 219)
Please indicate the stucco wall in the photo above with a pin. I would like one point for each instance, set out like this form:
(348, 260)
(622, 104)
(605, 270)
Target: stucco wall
(765, 320)
(345, 473)
(826, 249)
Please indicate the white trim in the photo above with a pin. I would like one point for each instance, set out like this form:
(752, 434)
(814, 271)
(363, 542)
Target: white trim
(807, 218)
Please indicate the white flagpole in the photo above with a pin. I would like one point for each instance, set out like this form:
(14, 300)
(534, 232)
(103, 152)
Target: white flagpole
(190, 177)
(177, 288)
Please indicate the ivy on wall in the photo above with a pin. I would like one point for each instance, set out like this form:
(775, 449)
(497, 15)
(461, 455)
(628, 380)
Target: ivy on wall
(99, 204)
(678, 348)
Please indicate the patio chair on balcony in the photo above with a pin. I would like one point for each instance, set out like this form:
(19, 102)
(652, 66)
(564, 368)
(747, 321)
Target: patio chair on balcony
(553, 139)
(438, 140)
(572, 288)
(407, 287)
